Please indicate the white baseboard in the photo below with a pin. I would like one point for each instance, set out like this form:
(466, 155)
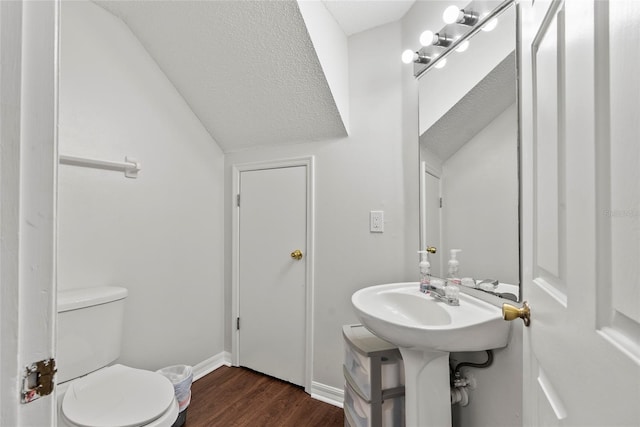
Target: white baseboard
(327, 394)
(211, 364)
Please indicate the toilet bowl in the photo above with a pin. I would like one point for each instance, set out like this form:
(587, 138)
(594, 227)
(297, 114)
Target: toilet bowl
(91, 391)
(117, 396)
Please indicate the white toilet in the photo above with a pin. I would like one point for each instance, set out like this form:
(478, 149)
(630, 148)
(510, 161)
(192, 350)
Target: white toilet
(90, 393)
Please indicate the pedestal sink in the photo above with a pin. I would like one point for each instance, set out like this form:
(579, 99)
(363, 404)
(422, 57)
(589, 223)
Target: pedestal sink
(426, 331)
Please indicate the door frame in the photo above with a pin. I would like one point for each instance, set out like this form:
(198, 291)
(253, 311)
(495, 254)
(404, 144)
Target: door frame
(237, 169)
(436, 172)
(29, 36)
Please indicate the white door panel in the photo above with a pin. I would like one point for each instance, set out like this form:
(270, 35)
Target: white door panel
(272, 285)
(624, 212)
(581, 204)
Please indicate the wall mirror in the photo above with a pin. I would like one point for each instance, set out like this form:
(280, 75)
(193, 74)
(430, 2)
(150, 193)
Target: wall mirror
(469, 184)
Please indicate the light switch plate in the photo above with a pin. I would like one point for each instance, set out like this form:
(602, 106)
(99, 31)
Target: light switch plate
(376, 221)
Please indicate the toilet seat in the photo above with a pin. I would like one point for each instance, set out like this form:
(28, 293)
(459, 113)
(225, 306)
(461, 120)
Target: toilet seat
(118, 396)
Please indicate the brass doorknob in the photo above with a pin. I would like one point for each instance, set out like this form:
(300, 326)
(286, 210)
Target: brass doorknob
(297, 254)
(511, 312)
(431, 249)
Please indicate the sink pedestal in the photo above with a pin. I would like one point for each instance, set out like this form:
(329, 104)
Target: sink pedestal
(427, 390)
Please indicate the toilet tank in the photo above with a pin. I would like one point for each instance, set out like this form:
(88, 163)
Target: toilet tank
(90, 322)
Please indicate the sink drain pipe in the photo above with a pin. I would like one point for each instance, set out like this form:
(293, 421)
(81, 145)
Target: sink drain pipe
(459, 395)
(459, 384)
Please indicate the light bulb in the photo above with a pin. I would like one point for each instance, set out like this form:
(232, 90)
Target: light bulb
(463, 46)
(441, 63)
(451, 14)
(409, 56)
(426, 38)
(490, 25)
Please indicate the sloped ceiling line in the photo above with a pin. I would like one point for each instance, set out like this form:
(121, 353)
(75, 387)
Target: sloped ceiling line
(247, 69)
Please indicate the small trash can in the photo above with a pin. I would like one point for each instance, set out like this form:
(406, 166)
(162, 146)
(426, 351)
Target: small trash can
(181, 376)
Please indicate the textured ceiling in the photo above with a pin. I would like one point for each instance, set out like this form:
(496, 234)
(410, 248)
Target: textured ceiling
(482, 104)
(355, 16)
(247, 69)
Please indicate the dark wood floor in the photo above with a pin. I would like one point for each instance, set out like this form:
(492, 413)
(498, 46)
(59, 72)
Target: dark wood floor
(241, 397)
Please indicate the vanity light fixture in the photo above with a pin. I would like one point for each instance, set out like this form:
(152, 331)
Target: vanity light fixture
(455, 15)
(461, 24)
(429, 38)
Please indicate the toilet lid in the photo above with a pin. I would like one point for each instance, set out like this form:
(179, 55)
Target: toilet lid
(117, 396)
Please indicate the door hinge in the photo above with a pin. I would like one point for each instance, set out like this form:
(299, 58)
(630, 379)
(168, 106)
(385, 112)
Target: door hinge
(237, 323)
(440, 201)
(38, 380)
(238, 200)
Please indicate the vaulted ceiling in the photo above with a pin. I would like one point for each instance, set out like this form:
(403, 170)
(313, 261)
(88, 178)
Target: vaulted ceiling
(248, 69)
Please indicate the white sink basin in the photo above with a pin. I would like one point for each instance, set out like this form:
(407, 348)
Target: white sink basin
(426, 331)
(401, 314)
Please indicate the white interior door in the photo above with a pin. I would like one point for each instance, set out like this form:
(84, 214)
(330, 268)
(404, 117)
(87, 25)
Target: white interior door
(272, 283)
(580, 64)
(432, 220)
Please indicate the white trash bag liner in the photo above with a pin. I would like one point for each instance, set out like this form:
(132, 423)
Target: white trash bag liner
(181, 376)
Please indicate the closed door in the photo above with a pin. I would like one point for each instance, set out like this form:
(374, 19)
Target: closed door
(581, 221)
(272, 271)
(432, 220)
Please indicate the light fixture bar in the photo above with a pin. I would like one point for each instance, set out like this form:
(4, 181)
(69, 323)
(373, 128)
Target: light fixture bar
(454, 44)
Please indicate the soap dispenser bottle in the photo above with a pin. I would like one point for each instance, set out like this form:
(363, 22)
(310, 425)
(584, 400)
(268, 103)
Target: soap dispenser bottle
(425, 272)
(453, 277)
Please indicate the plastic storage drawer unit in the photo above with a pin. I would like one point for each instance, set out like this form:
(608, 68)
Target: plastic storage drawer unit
(358, 368)
(374, 377)
(359, 412)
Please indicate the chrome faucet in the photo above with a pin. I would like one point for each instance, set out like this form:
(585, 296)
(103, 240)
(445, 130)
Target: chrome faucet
(439, 292)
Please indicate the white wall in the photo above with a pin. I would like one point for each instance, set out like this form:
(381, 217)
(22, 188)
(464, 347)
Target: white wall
(159, 235)
(366, 171)
(480, 204)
